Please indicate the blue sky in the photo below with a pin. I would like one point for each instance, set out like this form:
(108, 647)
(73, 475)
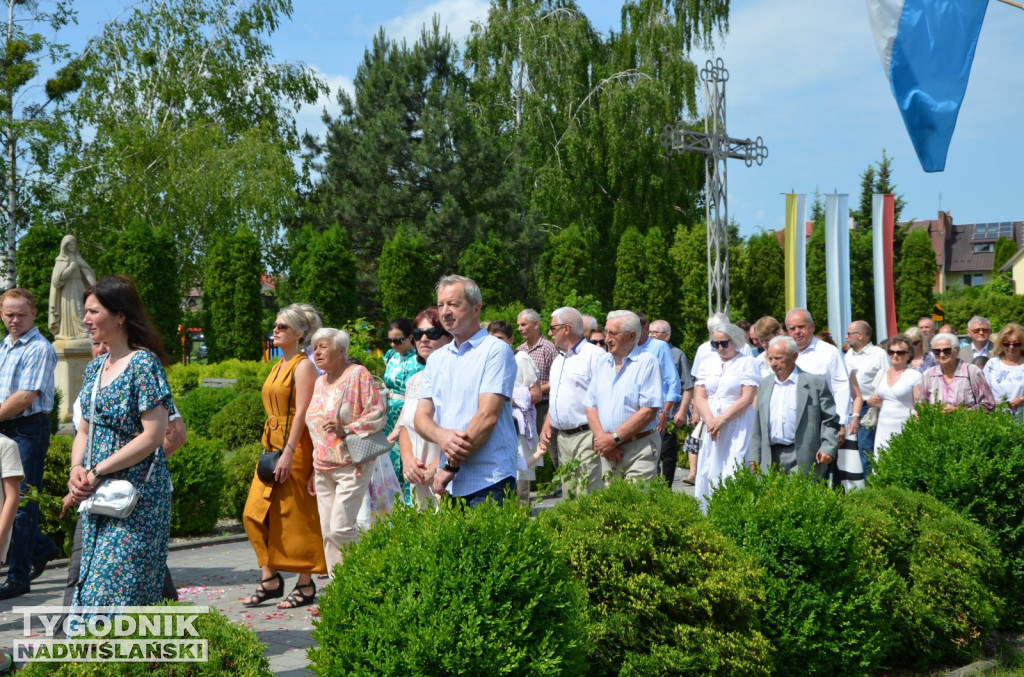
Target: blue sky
(804, 75)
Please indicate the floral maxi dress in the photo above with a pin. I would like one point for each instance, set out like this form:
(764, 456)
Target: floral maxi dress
(123, 559)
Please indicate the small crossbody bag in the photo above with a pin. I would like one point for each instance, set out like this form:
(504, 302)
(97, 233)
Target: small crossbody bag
(268, 459)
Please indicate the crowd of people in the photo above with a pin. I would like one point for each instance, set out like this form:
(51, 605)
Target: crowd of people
(461, 411)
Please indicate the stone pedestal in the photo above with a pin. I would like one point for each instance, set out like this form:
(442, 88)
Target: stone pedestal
(72, 358)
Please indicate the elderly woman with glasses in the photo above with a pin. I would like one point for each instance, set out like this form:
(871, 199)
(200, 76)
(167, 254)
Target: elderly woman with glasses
(726, 387)
(896, 390)
(952, 382)
(1005, 371)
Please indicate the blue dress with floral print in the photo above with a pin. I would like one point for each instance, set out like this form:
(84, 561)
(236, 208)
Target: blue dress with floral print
(123, 559)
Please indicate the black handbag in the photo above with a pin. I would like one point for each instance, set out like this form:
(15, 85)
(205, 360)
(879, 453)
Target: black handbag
(268, 459)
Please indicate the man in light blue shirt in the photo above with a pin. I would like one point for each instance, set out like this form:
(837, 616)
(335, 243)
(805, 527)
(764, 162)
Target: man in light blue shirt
(623, 400)
(465, 402)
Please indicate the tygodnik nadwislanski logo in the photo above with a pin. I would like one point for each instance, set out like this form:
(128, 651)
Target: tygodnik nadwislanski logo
(148, 634)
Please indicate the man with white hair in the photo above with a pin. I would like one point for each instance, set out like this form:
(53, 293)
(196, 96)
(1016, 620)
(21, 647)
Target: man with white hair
(543, 353)
(979, 329)
(623, 400)
(927, 326)
(795, 424)
(669, 375)
(823, 359)
(571, 374)
(662, 330)
(589, 324)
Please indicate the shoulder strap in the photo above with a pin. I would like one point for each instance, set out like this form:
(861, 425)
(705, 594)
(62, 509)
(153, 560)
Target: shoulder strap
(92, 411)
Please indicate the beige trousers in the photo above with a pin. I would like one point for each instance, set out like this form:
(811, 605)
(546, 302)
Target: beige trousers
(578, 451)
(639, 461)
(339, 495)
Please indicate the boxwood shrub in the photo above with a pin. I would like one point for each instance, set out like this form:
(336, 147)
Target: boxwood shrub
(974, 463)
(239, 467)
(826, 611)
(241, 421)
(950, 568)
(56, 470)
(233, 649)
(668, 594)
(198, 406)
(479, 592)
(197, 473)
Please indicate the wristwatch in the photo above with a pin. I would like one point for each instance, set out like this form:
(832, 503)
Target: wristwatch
(618, 440)
(448, 468)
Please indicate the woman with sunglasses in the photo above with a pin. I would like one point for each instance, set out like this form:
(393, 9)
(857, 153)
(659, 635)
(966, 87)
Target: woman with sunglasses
(921, 359)
(400, 364)
(896, 390)
(420, 457)
(952, 382)
(1005, 371)
(725, 390)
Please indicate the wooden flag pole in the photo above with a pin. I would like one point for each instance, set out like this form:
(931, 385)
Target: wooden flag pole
(1015, 4)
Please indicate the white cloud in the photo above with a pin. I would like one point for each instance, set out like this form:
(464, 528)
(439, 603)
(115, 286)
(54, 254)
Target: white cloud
(309, 116)
(457, 16)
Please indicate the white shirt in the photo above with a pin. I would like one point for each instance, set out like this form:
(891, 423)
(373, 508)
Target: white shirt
(705, 349)
(824, 359)
(782, 411)
(570, 377)
(10, 466)
(867, 363)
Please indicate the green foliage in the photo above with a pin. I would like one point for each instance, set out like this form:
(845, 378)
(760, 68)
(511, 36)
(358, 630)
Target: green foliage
(360, 347)
(239, 470)
(322, 273)
(407, 276)
(490, 263)
(826, 610)
(249, 375)
(233, 649)
(668, 595)
(817, 297)
(458, 592)
(689, 255)
(990, 300)
(55, 486)
(862, 274)
(631, 272)
(37, 249)
(231, 297)
(974, 463)
(587, 304)
(241, 421)
(950, 567)
(761, 279)
(915, 277)
(566, 264)
(198, 406)
(197, 474)
(58, 399)
(1005, 249)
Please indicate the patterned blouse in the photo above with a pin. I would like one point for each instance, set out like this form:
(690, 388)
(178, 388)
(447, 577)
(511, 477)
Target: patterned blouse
(1007, 381)
(969, 388)
(397, 372)
(358, 405)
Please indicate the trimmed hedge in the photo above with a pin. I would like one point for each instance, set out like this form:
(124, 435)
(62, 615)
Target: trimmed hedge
(950, 568)
(185, 378)
(56, 470)
(197, 474)
(241, 421)
(479, 592)
(973, 462)
(668, 594)
(827, 611)
(239, 468)
(198, 406)
(233, 649)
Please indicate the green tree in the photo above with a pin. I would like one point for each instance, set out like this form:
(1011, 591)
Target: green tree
(915, 278)
(631, 272)
(491, 264)
(148, 257)
(32, 129)
(37, 249)
(688, 255)
(862, 275)
(566, 266)
(1004, 250)
(407, 276)
(322, 272)
(817, 296)
(231, 297)
(760, 286)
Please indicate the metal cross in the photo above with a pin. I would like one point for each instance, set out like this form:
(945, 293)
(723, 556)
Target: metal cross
(717, 147)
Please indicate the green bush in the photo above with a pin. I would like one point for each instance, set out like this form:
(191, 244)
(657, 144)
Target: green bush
(239, 467)
(56, 470)
(669, 595)
(197, 473)
(477, 592)
(241, 421)
(198, 406)
(974, 463)
(826, 610)
(950, 568)
(186, 378)
(233, 649)
(183, 378)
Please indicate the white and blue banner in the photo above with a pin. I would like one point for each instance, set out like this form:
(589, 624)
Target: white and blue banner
(927, 47)
(837, 263)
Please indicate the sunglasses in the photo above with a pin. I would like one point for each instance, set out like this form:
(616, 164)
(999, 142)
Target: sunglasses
(720, 344)
(280, 327)
(937, 352)
(600, 342)
(396, 341)
(433, 333)
(900, 353)
(1011, 344)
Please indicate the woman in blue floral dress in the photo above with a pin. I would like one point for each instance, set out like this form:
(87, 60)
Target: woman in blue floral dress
(400, 364)
(123, 559)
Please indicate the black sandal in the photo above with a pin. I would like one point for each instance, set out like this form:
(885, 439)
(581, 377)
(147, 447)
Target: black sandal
(262, 594)
(297, 598)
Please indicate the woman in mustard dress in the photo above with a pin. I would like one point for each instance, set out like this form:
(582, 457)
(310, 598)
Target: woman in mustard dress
(281, 517)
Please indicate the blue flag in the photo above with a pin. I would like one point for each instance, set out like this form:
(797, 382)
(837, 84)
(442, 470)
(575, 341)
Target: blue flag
(927, 47)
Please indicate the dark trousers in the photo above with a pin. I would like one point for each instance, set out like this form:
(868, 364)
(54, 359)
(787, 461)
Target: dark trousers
(866, 443)
(27, 542)
(496, 491)
(669, 456)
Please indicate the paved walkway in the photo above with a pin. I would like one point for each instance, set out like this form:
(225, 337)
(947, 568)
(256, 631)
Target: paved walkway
(220, 573)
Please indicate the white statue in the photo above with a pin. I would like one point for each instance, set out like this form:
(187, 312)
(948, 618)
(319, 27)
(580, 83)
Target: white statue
(71, 277)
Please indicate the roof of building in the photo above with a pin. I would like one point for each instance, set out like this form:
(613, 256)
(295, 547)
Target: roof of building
(966, 249)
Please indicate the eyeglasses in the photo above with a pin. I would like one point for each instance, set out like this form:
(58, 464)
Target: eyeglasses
(917, 343)
(980, 330)
(280, 327)
(555, 327)
(1011, 344)
(899, 353)
(720, 344)
(654, 331)
(851, 333)
(433, 333)
(599, 342)
(938, 352)
(396, 341)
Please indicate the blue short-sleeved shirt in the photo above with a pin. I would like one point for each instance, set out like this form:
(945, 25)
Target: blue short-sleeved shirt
(662, 351)
(454, 379)
(28, 364)
(619, 395)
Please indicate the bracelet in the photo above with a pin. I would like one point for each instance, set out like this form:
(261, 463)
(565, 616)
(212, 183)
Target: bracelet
(855, 414)
(77, 465)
